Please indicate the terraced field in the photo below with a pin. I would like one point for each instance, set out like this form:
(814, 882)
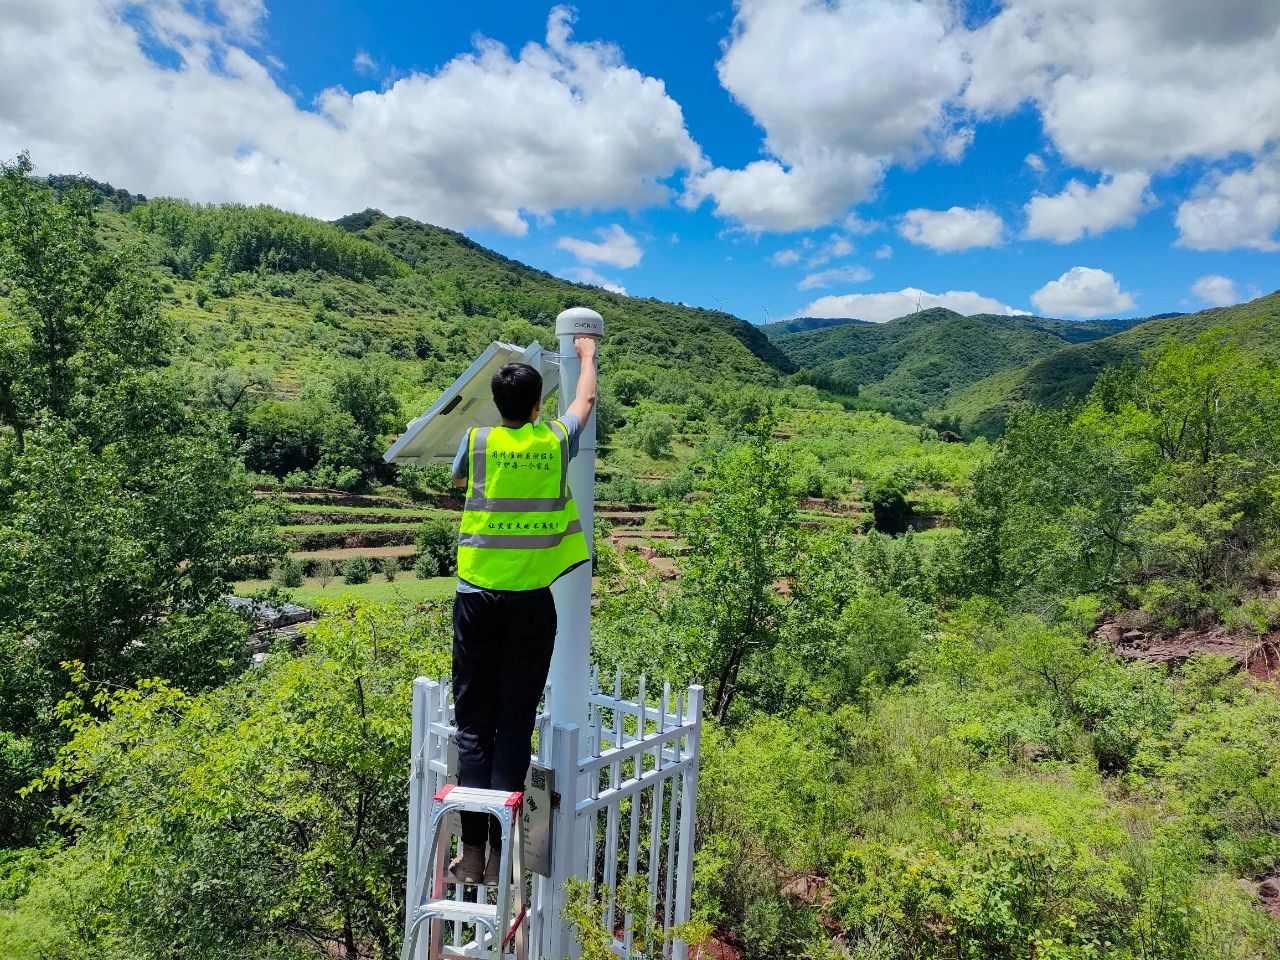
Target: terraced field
(334, 526)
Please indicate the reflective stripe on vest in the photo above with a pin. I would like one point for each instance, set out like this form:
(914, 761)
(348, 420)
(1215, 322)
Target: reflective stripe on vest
(520, 528)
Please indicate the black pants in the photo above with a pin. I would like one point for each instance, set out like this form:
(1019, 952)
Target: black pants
(502, 644)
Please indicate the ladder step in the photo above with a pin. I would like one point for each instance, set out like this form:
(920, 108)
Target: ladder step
(460, 911)
(475, 798)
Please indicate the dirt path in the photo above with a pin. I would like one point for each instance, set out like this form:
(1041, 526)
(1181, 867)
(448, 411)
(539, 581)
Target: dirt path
(345, 553)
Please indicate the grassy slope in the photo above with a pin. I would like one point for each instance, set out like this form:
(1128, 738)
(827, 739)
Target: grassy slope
(457, 298)
(917, 361)
(1067, 374)
(639, 330)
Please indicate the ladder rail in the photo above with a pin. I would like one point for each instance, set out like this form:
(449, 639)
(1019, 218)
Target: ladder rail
(432, 909)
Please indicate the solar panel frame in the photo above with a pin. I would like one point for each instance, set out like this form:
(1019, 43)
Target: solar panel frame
(434, 437)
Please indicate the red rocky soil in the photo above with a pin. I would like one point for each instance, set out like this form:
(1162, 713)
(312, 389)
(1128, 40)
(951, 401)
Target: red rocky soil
(1268, 894)
(1259, 655)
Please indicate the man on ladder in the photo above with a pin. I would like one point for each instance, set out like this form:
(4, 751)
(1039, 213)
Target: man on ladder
(520, 532)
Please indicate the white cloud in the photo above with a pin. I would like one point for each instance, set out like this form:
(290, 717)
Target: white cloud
(881, 307)
(765, 195)
(835, 248)
(1130, 87)
(616, 247)
(854, 224)
(953, 146)
(1216, 290)
(364, 63)
(1141, 84)
(883, 252)
(1240, 209)
(958, 228)
(489, 139)
(885, 71)
(1079, 209)
(829, 278)
(589, 276)
(1082, 292)
(785, 258)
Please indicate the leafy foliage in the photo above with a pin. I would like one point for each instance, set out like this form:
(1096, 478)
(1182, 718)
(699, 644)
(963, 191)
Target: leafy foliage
(234, 239)
(180, 813)
(741, 543)
(123, 513)
(1165, 482)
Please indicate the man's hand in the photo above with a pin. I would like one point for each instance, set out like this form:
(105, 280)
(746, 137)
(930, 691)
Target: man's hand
(585, 401)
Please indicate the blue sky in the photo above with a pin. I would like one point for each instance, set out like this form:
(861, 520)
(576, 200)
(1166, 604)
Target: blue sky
(779, 157)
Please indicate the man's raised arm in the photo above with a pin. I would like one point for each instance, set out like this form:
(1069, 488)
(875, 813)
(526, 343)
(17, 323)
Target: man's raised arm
(585, 400)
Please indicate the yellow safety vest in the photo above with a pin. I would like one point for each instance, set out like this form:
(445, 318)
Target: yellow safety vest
(520, 528)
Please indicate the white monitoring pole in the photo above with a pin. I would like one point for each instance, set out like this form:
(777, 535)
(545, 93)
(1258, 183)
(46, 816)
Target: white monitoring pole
(570, 680)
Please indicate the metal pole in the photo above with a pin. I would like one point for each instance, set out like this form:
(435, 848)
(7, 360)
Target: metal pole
(558, 939)
(688, 820)
(567, 702)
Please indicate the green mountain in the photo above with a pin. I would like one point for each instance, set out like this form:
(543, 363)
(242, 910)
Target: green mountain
(915, 363)
(290, 295)
(1067, 374)
(780, 328)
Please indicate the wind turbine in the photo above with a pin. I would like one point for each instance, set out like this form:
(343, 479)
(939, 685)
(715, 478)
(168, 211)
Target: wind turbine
(719, 301)
(766, 313)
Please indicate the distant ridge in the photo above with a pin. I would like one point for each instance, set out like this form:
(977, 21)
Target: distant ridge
(1068, 374)
(914, 363)
(781, 328)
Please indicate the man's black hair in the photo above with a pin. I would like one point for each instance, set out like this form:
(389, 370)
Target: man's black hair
(517, 388)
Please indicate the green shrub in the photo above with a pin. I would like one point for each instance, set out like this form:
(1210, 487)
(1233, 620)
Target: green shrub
(288, 572)
(357, 570)
(389, 567)
(426, 566)
(438, 539)
(889, 507)
(653, 432)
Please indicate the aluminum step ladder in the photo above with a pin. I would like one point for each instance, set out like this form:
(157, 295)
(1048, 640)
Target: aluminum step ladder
(497, 935)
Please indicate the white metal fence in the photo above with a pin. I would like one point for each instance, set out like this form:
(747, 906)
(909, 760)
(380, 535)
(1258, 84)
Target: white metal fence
(624, 821)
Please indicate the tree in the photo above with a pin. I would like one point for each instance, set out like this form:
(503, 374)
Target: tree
(82, 322)
(742, 541)
(227, 388)
(365, 391)
(324, 571)
(288, 572)
(437, 548)
(1160, 487)
(195, 840)
(1206, 414)
(653, 431)
(124, 514)
(889, 508)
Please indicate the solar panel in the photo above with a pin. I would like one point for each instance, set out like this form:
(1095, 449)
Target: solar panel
(435, 436)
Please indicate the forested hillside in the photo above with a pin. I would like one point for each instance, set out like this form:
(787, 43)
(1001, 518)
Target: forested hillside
(1011, 699)
(915, 363)
(289, 293)
(1068, 374)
